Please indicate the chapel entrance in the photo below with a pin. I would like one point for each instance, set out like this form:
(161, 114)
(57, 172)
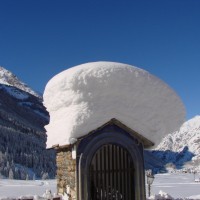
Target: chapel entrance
(112, 174)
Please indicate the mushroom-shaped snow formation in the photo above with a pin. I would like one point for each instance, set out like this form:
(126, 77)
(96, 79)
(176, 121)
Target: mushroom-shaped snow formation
(85, 97)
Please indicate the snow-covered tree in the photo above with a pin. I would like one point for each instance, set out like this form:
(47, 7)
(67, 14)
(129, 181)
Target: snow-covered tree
(11, 174)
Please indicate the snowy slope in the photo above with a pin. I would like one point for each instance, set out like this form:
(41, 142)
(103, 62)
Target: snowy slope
(87, 96)
(186, 138)
(8, 78)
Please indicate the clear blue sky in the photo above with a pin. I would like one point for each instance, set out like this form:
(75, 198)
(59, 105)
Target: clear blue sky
(40, 38)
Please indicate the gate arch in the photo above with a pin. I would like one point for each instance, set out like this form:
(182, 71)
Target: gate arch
(115, 137)
(111, 174)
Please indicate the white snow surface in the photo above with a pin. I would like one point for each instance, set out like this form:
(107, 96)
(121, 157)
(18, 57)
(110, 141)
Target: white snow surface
(10, 189)
(83, 98)
(178, 186)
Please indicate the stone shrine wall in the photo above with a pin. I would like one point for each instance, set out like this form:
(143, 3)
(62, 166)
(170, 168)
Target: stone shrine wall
(66, 173)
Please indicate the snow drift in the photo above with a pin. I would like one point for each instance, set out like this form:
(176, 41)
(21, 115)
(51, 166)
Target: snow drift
(85, 97)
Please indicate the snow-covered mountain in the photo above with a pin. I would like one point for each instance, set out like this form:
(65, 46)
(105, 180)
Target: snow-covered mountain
(182, 146)
(8, 78)
(23, 151)
(187, 136)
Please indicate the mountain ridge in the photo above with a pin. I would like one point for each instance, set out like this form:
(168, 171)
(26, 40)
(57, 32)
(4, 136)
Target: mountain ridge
(8, 78)
(188, 134)
(182, 148)
(22, 133)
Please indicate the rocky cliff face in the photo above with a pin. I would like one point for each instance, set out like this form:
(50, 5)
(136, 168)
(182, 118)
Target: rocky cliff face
(23, 151)
(182, 148)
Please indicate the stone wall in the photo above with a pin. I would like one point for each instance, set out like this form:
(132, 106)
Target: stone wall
(66, 172)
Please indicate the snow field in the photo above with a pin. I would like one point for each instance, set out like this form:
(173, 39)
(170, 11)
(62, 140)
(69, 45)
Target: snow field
(178, 186)
(10, 189)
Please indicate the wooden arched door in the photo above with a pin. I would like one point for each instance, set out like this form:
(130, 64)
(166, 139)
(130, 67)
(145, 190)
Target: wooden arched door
(112, 174)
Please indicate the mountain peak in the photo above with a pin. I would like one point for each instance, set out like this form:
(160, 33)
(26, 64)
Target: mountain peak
(8, 78)
(187, 136)
(5, 76)
(191, 124)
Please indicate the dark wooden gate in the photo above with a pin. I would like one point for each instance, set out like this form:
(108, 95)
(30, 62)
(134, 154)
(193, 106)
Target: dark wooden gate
(112, 174)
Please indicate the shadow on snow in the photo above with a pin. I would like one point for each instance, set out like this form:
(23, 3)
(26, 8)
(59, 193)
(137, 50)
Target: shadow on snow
(157, 160)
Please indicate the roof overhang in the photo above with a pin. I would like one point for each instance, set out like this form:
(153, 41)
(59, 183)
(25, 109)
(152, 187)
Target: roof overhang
(146, 142)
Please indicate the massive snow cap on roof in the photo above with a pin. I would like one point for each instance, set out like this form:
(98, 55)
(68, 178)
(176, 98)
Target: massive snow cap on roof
(85, 97)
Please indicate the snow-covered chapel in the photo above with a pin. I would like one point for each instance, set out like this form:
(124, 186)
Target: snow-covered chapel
(102, 116)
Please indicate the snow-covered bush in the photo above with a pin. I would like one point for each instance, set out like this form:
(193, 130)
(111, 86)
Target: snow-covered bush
(164, 196)
(160, 196)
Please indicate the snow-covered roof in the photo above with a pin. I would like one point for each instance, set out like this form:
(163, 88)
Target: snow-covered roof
(82, 98)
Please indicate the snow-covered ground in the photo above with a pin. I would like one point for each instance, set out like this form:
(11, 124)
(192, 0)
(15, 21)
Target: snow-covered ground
(176, 185)
(16, 188)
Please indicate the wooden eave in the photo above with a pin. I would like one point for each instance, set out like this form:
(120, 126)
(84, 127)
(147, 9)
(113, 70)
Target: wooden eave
(57, 147)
